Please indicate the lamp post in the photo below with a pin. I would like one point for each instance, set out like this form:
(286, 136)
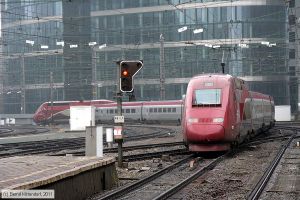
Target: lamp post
(23, 106)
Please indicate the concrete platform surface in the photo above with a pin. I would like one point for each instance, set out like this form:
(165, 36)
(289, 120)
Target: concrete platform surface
(28, 172)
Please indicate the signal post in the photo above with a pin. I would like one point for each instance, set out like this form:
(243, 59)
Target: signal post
(127, 71)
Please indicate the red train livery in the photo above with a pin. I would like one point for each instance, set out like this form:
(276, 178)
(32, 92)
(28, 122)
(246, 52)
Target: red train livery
(60, 111)
(142, 111)
(219, 111)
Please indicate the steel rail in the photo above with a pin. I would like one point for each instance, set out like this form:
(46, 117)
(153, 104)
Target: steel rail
(124, 190)
(18, 131)
(62, 141)
(5, 130)
(145, 156)
(261, 184)
(191, 178)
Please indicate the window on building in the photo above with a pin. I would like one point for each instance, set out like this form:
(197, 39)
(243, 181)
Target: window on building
(292, 70)
(292, 54)
(292, 37)
(292, 19)
(292, 3)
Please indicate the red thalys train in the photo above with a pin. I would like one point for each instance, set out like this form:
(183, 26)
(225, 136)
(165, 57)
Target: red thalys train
(60, 111)
(219, 111)
(150, 111)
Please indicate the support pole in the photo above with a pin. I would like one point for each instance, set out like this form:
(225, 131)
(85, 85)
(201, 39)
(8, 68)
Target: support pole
(162, 68)
(119, 112)
(94, 70)
(23, 111)
(120, 153)
(51, 95)
(223, 63)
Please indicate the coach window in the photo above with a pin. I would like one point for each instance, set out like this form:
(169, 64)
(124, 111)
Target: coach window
(116, 111)
(111, 111)
(169, 110)
(151, 110)
(127, 110)
(164, 110)
(155, 110)
(159, 109)
(173, 110)
(132, 110)
(107, 111)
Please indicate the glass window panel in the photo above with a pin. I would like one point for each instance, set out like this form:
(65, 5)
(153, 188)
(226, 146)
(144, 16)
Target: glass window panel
(207, 97)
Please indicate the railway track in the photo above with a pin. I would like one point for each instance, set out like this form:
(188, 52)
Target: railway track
(132, 157)
(5, 130)
(262, 183)
(149, 189)
(21, 130)
(52, 146)
(165, 182)
(73, 144)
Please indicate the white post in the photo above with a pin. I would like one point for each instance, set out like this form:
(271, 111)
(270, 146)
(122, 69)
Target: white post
(94, 141)
(99, 143)
(109, 137)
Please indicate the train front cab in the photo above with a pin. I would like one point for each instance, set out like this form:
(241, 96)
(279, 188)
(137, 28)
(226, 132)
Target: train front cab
(207, 114)
(41, 115)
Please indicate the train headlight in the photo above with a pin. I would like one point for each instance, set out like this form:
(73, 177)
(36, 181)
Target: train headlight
(218, 120)
(193, 120)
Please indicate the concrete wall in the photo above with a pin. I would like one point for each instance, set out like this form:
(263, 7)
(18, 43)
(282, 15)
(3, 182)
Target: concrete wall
(85, 184)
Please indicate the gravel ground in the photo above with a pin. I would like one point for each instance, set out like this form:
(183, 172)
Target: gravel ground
(232, 179)
(285, 182)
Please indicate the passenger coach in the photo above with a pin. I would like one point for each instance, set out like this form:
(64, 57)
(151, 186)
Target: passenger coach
(148, 111)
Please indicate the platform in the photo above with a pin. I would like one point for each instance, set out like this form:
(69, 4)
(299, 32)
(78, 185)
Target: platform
(70, 177)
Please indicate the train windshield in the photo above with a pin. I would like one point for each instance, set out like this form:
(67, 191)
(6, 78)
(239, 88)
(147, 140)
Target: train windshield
(207, 97)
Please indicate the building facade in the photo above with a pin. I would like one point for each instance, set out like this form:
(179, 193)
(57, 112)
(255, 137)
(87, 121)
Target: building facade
(176, 39)
(294, 50)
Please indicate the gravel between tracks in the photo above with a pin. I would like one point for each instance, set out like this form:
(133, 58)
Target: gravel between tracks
(235, 176)
(232, 179)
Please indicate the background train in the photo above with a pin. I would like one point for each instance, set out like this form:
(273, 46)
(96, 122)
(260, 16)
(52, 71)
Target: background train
(220, 111)
(150, 112)
(59, 111)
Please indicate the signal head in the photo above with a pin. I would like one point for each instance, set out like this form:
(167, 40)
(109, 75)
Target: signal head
(128, 69)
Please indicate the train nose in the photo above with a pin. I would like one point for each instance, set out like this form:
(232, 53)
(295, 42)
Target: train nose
(205, 132)
(37, 118)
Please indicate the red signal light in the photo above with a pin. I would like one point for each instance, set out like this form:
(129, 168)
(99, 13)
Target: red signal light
(125, 73)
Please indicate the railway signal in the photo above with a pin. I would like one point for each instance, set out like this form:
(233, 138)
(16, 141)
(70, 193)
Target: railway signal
(128, 69)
